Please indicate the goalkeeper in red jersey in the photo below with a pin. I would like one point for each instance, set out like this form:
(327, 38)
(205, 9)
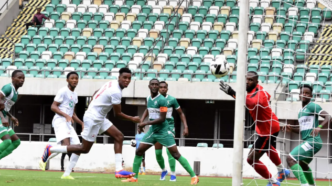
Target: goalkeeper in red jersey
(267, 128)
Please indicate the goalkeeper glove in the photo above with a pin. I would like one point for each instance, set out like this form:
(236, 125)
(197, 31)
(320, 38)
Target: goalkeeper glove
(227, 89)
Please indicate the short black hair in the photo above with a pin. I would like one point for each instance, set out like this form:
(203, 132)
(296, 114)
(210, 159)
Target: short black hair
(124, 70)
(70, 73)
(153, 80)
(163, 82)
(15, 72)
(253, 72)
(307, 86)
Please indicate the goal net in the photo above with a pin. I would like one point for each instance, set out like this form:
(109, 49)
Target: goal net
(283, 68)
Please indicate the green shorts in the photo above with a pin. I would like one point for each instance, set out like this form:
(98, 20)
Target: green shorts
(172, 129)
(165, 138)
(306, 150)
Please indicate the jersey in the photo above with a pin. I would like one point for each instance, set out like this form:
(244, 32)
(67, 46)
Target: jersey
(138, 138)
(10, 95)
(109, 94)
(67, 99)
(155, 106)
(258, 104)
(172, 104)
(308, 120)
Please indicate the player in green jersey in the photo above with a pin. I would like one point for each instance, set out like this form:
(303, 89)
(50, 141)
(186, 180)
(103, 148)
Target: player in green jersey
(309, 128)
(172, 104)
(158, 132)
(8, 97)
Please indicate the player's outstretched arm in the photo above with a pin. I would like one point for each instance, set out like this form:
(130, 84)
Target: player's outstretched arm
(290, 128)
(161, 119)
(55, 108)
(327, 122)
(145, 114)
(184, 121)
(227, 89)
(119, 114)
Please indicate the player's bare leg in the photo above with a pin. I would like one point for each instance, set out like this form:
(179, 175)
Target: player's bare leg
(184, 162)
(118, 142)
(160, 160)
(138, 160)
(72, 163)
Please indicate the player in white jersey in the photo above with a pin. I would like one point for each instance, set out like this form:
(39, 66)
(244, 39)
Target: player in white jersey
(64, 108)
(95, 122)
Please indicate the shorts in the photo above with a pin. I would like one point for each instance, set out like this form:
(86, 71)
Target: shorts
(63, 130)
(172, 129)
(5, 130)
(264, 143)
(94, 127)
(165, 138)
(306, 150)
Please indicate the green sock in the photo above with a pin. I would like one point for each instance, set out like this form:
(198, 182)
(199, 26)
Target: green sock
(298, 172)
(183, 161)
(137, 164)
(4, 145)
(171, 161)
(310, 178)
(10, 148)
(160, 158)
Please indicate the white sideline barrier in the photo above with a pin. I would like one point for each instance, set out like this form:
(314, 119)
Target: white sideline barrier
(214, 162)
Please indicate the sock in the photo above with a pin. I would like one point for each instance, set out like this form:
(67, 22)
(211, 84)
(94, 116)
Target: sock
(118, 162)
(160, 159)
(298, 173)
(4, 145)
(72, 163)
(280, 168)
(274, 157)
(58, 149)
(140, 169)
(52, 156)
(185, 164)
(273, 180)
(310, 178)
(171, 161)
(260, 168)
(137, 164)
(10, 148)
(143, 169)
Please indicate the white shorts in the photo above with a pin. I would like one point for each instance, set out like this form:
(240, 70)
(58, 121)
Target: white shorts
(63, 130)
(94, 127)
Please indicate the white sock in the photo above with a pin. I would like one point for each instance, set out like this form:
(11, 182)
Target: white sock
(118, 162)
(280, 167)
(72, 163)
(164, 169)
(173, 173)
(58, 149)
(273, 180)
(305, 184)
(52, 156)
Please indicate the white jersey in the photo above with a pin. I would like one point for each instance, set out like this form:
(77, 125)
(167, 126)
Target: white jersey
(67, 100)
(109, 94)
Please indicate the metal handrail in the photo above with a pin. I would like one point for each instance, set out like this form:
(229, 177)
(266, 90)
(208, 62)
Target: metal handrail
(4, 6)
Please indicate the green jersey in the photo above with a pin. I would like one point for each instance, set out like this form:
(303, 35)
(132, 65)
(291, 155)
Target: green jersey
(11, 96)
(308, 120)
(155, 106)
(172, 104)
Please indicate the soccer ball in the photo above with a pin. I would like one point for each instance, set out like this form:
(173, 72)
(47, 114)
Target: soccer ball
(133, 142)
(219, 68)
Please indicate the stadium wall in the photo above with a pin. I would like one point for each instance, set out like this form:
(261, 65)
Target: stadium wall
(136, 89)
(214, 162)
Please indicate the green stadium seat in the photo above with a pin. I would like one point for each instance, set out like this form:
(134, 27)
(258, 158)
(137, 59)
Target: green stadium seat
(180, 50)
(147, 9)
(92, 56)
(292, 44)
(304, 44)
(281, 44)
(98, 64)
(197, 42)
(181, 66)
(174, 57)
(53, 47)
(231, 59)
(152, 73)
(262, 76)
(273, 77)
(255, 27)
(127, 57)
(327, 14)
(86, 48)
(115, 41)
(268, 43)
(325, 95)
(92, 72)
(168, 50)
(86, 63)
(24, 55)
(132, 49)
(286, 77)
(208, 42)
(254, 59)
(104, 72)
(298, 76)
(109, 64)
(266, 60)
(259, 10)
(164, 73)
(189, 34)
(253, 67)
(188, 74)
(51, 63)
(178, 33)
(220, 43)
(289, 27)
(300, 54)
(328, 85)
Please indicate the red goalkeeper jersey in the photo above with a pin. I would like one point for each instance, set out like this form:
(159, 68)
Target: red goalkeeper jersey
(258, 103)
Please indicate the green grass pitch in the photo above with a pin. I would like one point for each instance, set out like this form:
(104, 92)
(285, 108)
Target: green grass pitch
(38, 178)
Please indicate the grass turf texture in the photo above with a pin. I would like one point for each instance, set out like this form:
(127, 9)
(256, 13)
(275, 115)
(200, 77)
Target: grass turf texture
(38, 178)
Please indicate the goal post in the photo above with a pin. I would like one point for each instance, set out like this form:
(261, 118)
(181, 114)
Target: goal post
(240, 101)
